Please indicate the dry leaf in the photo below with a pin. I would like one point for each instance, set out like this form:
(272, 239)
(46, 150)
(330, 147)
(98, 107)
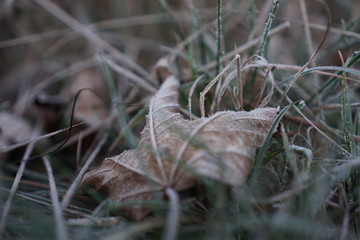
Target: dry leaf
(13, 129)
(173, 149)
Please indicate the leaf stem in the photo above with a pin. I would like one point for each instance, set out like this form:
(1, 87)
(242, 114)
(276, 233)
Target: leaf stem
(172, 221)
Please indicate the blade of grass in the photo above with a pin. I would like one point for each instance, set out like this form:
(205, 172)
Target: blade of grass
(35, 139)
(355, 57)
(211, 84)
(74, 185)
(306, 71)
(191, 92)
(172, 19)
(335, 30)
(265, 36)
(312, 57)
(189, 47)
(219, 36)
(131, 21)
(196, 27)
(308, 154)
(353, 181)
(257, 24)
(240, 86)
(310, 122)
(288, 155)
(196, 22)
(262, 151)
(310, 46)
(333, 68)
(121, 116)
(246, 46)
(129, 232)
(346, 116)
(308, 36)
(133, 77)
(133, 121)
(16, 182)
(252, 15)
(175, 51)
(61, 230)
(92, 37)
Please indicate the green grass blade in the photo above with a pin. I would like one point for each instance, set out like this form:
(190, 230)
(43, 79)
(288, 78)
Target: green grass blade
(117, 101)
(265, 39)
(355, 57)
(262, 151)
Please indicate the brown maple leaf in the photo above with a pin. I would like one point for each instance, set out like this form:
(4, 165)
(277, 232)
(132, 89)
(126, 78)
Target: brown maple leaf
(173, 150)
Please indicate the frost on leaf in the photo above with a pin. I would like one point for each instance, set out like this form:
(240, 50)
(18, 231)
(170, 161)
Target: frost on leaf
(173, 150)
